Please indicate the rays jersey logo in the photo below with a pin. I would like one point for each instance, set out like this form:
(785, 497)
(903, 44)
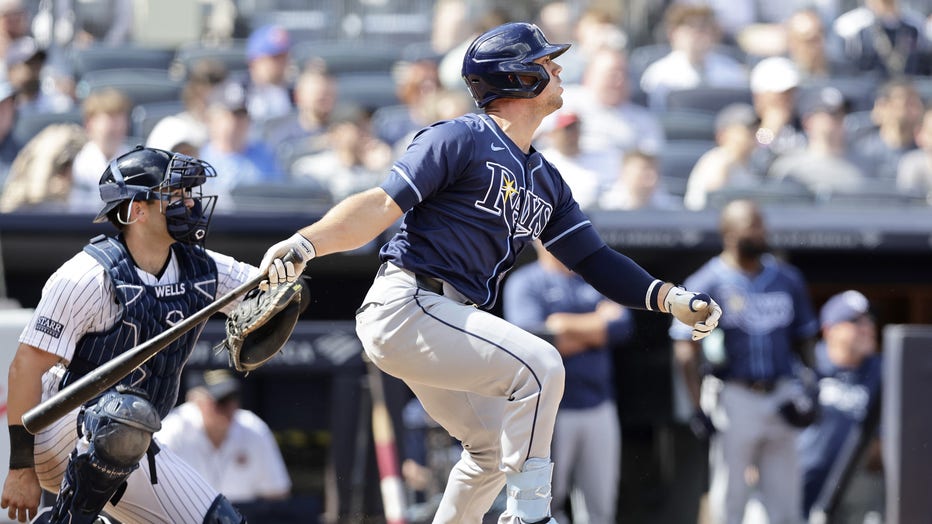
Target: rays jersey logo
(525, 213)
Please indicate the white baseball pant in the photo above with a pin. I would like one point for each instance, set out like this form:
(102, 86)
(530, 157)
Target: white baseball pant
(493, 386)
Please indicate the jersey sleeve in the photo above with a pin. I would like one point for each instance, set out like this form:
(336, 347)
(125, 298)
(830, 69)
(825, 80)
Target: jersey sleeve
(569, 234)
(436, 155)
(805, 323)
(75, 300)
(231, 273)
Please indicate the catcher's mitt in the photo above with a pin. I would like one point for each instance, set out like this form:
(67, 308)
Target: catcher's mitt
(259, 326)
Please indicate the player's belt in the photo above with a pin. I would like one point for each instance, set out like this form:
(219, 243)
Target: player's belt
(760, 386)
(434, 285)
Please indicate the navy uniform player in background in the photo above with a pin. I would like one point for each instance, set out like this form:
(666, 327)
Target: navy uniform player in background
(759, 403)
(849, 371)
(546, 297)
(474, 193)
(117, 293)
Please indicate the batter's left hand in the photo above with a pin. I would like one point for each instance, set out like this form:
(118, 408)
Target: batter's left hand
(693, 309)
(283, 271)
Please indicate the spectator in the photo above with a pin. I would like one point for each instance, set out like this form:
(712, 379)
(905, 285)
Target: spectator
(880, 38)
(693, 33)
(14, 23)
(450, 66)
(106, 121)
(580, 169)
(808, 48)
(40, 178)
(224, 443)
(239, 160)
(190, 125)
(354, 160)
(83, 23)
(595, 28)
(897, 113)
(267, 56)
(914, 173)
(9, 146)
(415, 83)
(611, 123)
(774, 85)
(849, 370)
(546, 297)
(825, 165)
(315, 96)
(729, 163)
(638, 186)
(768, 323)
(24, 62)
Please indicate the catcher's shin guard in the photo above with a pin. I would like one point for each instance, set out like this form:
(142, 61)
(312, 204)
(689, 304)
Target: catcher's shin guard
(223, 512)
(119, 432)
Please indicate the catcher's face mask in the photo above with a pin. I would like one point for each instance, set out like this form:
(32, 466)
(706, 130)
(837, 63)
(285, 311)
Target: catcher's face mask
(187, 209)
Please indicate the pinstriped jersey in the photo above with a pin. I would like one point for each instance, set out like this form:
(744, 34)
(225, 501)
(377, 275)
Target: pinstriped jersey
(473, 200)
(80, 298)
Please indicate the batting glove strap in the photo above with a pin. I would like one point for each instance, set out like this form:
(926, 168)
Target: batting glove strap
(302, 247)
(652, 299)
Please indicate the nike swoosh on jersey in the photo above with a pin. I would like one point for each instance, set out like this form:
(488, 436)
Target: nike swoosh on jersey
(497, 148)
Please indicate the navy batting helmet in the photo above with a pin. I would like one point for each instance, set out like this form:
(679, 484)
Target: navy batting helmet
(497, 60)
(146, 173)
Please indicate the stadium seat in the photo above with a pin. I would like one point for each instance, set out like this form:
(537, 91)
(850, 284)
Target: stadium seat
(232, 56)
(368, 90)
(97, 58)
(306, 196)
(28, 125)
(687, 125)
(145, 116)
(142, 86)
(347, 57)
(782, 193)
(676, 161)
(875, 194)
(708, 99)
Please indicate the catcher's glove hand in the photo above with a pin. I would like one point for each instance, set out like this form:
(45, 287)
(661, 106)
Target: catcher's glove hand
(261, 324)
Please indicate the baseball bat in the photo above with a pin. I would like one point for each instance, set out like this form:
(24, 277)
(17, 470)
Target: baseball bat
(386, 451)
(109, 373)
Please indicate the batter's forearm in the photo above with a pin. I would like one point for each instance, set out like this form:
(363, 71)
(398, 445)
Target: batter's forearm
(353, 223)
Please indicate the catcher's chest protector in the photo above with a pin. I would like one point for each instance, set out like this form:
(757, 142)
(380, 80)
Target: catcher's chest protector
(148, 311)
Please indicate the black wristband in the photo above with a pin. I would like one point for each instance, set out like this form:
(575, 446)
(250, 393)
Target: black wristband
(21, 447)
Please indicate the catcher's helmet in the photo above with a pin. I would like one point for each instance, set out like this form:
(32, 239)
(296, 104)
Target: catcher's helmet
(146, 173)
(494, 61)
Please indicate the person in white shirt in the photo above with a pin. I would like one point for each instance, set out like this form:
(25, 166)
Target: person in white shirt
(106, 120)
(611, 123)
(225, 443)
(692, 62)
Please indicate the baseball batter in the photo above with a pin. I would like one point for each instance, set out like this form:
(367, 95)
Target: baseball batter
(474, 193)
(116, 293)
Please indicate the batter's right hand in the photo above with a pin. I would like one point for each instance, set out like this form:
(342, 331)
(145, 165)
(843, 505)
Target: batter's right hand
(283, 271)
(21, 493)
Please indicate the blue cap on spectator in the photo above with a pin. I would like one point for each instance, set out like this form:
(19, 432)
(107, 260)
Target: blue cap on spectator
(822, 100)
(229, 95)
(844, 307)
(270, 40)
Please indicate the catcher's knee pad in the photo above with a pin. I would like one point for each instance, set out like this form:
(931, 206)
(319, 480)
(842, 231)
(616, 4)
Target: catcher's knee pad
(529, 491)
(118, 429)
(223, 512)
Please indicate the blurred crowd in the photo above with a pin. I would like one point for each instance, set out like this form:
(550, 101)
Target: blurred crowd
(808, 103)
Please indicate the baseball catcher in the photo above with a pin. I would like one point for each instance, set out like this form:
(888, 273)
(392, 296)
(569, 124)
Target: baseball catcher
(258, 327)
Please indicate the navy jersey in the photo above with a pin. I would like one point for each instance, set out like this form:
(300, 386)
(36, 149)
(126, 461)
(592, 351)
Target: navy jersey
(845, 395)
(473, 200)
(765, 315)
(532, 293)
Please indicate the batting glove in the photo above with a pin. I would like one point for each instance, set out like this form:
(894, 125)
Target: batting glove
(280, 270)
(693, 309)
